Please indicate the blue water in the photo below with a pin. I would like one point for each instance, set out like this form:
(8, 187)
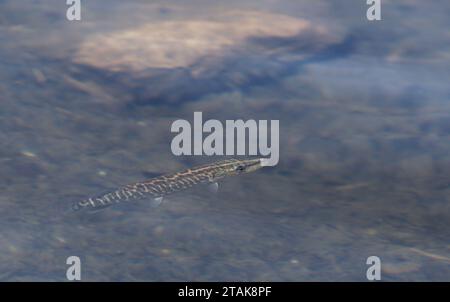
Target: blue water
(364, 139)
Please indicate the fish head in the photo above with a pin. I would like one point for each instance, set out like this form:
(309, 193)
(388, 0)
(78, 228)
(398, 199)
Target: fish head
(237, 167)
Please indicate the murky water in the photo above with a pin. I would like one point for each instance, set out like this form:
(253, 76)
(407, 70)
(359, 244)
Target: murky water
(364, 139)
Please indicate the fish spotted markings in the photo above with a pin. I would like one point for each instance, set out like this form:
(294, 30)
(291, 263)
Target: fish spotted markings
(167, 184)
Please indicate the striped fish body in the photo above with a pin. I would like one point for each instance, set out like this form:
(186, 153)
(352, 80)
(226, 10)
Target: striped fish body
(167, 184)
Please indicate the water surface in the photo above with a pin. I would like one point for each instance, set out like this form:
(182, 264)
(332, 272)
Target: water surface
(364, 139)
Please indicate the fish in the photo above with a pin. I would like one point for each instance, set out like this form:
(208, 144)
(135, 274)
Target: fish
(158, 187)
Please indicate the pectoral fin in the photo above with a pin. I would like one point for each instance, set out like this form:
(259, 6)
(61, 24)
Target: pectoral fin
(157, 201)
(213, 187)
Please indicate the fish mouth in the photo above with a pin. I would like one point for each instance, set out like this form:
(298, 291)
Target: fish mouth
(254, 164)
(265, 162)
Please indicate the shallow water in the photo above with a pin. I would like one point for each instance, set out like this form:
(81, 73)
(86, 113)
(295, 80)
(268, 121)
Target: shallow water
(364, 139)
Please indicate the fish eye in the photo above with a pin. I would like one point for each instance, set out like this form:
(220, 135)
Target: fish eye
(240, 168)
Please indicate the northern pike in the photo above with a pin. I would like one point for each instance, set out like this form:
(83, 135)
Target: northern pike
(156, 188)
